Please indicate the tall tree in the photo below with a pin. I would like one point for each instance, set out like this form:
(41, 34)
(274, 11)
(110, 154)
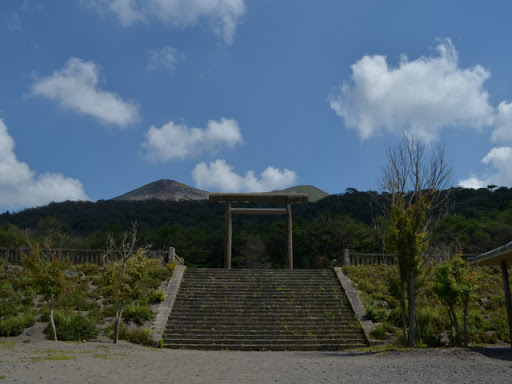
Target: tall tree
(412, 180)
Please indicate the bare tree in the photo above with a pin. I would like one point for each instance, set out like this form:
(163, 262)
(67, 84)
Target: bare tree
(124, 268)
(412, 181)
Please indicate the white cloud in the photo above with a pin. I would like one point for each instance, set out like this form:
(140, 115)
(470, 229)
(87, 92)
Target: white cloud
(126, 10)
(503, 123)
(177, 141)
(20, 187)
(223, 15)
(76, 87)
(166, 57)
(220, 176)
(421, 96)
(500, 173)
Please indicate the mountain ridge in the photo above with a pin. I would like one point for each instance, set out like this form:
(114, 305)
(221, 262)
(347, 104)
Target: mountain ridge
(172, 190)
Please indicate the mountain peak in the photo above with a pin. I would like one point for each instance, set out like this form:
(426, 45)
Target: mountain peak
(314, 193)
(164, 189)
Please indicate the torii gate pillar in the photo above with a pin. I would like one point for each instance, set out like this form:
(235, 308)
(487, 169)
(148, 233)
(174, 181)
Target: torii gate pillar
(287, 198)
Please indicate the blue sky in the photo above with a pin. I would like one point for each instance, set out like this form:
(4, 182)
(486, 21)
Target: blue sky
(99, 97)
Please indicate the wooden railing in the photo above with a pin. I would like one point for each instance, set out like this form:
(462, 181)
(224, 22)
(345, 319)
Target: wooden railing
(83, 256)
(356, 258)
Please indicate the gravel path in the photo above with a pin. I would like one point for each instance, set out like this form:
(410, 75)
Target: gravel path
(103, 362)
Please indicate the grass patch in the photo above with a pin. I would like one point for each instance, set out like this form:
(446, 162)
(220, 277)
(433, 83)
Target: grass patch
(59, 357)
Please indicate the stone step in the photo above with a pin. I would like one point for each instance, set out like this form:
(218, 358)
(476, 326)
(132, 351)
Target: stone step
(258, 328)
(288, 341)
(202, 334)
(262, 310)
(269, 316)
(256, 272)
(301, 312)
(268, 296)
(263, 304)
(251, 324)
(266, 347)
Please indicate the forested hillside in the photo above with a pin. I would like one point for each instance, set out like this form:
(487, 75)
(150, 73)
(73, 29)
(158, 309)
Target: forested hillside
(474, 221)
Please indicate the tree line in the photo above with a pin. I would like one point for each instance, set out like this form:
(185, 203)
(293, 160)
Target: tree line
(474, 221)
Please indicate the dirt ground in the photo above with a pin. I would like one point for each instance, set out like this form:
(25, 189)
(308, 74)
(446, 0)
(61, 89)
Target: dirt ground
(31, 359)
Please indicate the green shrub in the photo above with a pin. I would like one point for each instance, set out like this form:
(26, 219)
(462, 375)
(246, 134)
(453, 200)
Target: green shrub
(76, 299)
(372, 314)
(157, 296)
(109, 310)
(15, 325)
(96, 315)
(136, 335)
(73, 326)
(89, 270)
(499, 322)
(395, 317)
(381, 331)
(485, 338)
(429, 315)
(137, 314)
(140, 336)
(495, 302)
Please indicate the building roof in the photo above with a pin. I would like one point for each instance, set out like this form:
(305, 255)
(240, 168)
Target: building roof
(494, 257)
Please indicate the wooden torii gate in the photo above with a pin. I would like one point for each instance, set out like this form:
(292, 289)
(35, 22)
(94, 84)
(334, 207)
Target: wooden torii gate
(286, 198)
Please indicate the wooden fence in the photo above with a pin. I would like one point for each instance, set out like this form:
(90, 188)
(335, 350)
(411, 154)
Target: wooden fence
(83, 256)
(353, 258)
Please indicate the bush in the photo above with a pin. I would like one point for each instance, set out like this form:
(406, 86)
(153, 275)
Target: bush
(140, 336)
(136, 335)
(76, 299)
(96, 315)
(485, 338)
(15, 325)
(372, 314)
(381, 331)
(89, 270)
(157, 296)
(500, 324)
(73, 326)
(430, 336)
(137, 314)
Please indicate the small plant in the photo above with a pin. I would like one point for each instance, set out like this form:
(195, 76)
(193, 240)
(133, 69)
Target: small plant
(381, 331)
(137, 314)
(14, 325)
(160, 343)
(372, 314)
(136, 335)
(72, 326)
(157, 296)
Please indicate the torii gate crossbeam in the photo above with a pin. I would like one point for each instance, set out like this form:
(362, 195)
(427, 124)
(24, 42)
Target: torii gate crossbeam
(286, 198)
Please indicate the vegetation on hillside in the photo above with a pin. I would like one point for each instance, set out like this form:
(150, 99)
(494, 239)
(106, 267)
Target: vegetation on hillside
(487, 317)
(477, 221)
(82, 300)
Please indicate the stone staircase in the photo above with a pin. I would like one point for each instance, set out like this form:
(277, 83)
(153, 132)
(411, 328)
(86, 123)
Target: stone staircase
(262, 310)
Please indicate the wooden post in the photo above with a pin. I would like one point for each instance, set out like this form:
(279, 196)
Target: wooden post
(508, 304)
(289, 253)
(227, 251)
